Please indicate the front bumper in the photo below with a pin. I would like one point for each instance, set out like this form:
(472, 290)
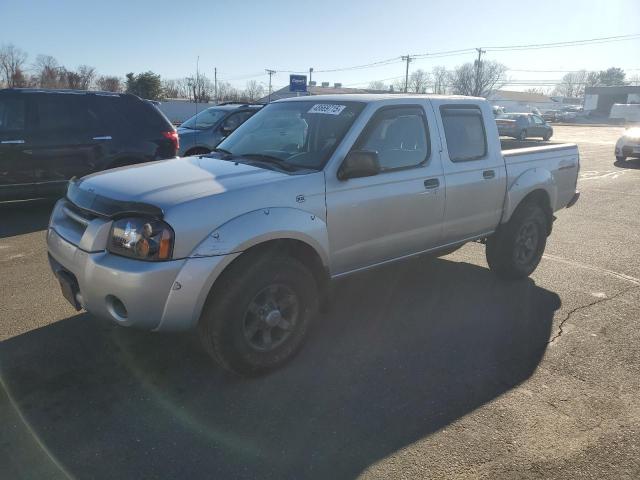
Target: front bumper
(574, 199)
(160, 296)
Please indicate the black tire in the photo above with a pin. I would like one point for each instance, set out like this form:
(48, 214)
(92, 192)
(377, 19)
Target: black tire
(546, 137)
(515, 249)
(620, 158)
(230, 315)
(522, 136)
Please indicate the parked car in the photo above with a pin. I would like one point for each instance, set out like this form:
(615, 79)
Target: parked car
(243, 243)
(204, 131)
(498, 110)
(50, 136)
(523, 126)
(550, 115)
(628, 145)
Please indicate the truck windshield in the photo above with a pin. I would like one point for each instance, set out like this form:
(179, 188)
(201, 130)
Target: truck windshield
(204, 120)
(300, 134)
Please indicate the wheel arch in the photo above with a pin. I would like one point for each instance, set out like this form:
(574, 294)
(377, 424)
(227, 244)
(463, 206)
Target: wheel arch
(538, 196)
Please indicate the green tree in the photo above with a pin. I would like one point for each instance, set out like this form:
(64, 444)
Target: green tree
(612, 76)
(146, 85)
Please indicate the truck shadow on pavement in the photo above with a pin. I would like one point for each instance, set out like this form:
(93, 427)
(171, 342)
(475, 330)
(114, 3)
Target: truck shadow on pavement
(405, 351)
(18, 218)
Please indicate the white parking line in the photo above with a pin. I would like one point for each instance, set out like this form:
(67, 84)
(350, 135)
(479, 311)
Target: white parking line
(596, 175)
(621, 276)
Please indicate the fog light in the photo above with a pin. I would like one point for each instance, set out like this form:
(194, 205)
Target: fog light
(116, 308)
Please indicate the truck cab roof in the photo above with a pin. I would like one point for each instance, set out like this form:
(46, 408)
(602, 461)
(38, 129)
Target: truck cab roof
(379, 98)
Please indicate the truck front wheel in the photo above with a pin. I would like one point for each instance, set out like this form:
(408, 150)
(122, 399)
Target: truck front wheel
(515, 249)
(259, 313)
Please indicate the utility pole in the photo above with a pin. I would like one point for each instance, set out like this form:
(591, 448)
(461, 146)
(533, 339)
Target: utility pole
(406, 58)
(478, 71)
(215, 85)
(270, 72)
(310, 73)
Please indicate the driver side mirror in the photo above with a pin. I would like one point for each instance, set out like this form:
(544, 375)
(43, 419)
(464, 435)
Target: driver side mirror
(359, 163)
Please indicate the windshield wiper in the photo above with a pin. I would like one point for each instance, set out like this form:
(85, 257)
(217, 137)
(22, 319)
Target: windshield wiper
(271, 159)
(222, 150)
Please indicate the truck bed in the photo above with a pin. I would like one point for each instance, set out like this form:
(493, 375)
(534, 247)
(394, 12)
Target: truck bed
(560, 161)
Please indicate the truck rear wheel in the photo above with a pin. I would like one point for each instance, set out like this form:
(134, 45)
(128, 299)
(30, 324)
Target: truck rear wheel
(515, 249)
(259, 313)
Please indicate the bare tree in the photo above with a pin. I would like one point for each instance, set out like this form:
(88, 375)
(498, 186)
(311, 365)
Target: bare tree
(171, 88)
(634, 80)
(47, 71)
(378, 85)
(86, 74)
(253, 91)
(440, 79)
(108, 83)
(12, 60)
(72, 80)
(227, 92)
(418, 81)
(539, 90)
(573, 83)
(200, 88)
(478, 80)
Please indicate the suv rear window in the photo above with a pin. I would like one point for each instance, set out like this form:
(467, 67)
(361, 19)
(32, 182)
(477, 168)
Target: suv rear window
(128, 113)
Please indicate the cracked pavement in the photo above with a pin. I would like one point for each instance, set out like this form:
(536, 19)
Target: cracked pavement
(425, 369)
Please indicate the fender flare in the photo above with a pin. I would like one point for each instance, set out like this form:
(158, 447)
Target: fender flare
(529, 181)
(259, 226)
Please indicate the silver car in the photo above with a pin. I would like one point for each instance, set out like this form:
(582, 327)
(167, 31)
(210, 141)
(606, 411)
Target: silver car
(204, 131)
(242, 244)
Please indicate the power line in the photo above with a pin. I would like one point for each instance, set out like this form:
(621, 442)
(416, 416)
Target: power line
(569, 43)
(463, 51)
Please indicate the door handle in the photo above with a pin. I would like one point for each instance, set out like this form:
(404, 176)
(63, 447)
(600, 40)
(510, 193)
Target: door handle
(105, 137)
(12, 142)
(431, 183)
(489, 174)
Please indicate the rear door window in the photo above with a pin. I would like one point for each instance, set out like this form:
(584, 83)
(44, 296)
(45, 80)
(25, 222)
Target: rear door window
(12, 114)
(234, 120)
(464, 133)
(61, 113)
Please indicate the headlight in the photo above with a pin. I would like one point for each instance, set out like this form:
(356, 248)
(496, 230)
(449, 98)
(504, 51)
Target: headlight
(141, 238)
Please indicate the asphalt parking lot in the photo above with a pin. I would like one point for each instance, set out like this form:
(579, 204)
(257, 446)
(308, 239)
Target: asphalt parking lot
(431, 368)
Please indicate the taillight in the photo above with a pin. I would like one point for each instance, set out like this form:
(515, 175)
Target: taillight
(173, 136)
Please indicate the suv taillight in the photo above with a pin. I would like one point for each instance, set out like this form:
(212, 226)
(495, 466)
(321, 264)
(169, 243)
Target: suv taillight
(173, 136)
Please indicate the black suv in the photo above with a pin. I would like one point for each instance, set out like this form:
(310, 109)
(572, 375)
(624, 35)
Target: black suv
(50, 136)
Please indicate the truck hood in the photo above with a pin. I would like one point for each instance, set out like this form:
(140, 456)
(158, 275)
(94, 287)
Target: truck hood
(167, 183)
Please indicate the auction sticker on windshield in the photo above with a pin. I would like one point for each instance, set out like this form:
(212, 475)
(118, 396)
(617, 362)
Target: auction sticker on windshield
(327, 108)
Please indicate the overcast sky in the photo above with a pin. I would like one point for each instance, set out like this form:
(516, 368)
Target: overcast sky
(242, 38)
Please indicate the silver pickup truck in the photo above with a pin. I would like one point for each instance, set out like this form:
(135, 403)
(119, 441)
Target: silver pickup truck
(242, 243)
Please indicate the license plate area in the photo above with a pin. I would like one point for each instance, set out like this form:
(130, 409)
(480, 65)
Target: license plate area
(69, 287)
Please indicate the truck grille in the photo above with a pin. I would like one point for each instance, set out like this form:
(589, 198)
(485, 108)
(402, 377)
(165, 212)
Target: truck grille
(72, 222)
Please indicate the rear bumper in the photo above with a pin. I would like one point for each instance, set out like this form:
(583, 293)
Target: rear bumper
(573, 200)
(160, 296)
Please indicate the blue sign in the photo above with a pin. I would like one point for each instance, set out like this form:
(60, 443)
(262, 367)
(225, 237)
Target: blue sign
(297, 83)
